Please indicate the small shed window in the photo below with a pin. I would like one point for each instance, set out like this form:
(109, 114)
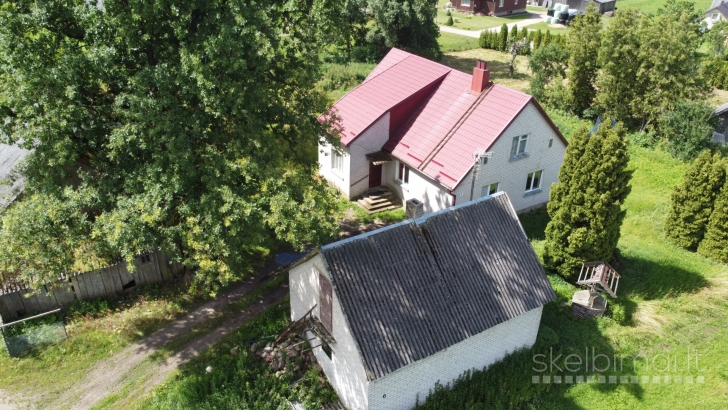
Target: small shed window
(500, 3)
(325, 302)
(146, 259)
(465, 3)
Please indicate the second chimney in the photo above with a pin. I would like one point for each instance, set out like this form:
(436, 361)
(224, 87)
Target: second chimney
(481, 77)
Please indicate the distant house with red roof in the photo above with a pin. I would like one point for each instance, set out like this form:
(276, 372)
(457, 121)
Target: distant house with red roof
(432, 133)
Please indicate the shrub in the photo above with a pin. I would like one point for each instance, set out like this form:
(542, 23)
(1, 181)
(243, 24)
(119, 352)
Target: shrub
(692, 201)
(449, 21)
(688, 129)
(366, 54)
(94, 307)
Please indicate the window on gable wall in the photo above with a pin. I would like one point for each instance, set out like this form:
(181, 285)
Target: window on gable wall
(715, 16)
(403, 172)
(337, 161)
(533, 181)
(518, 146)
(489, 189)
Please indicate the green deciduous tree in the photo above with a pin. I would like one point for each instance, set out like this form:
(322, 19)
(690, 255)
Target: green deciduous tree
(406, 24)
(548, 64)
(586, 204)
(189, 127)
(716, 38)
(583, 43)
(692, 201)
(688, 128)
(715, 243)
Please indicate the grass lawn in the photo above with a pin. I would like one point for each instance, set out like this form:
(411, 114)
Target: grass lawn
(651, 6)
(497, 63)
(543, 26)
(470, 22)
(455, 42)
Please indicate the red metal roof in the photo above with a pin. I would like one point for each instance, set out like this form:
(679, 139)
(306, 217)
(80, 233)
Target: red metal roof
(446, 128)
(365, 104)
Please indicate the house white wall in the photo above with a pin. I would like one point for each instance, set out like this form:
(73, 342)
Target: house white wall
(340, 180)
(401, 388)
(344, 370)
(711, 17)
(372, 140)
(354, 179)
(434, 196)
(511, 174)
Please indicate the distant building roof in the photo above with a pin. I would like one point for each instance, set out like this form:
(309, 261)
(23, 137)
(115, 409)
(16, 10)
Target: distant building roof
(447, 127)
(10, 157)
(722, 109)
(417, 287)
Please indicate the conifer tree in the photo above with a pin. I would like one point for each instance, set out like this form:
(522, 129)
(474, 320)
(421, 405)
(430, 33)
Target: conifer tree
(693, 199)
(586, 204)
(583, 42)
(546, 39)
(537, 39)
(715, 243)
(514, 34)
(503, 38)
(449, 21)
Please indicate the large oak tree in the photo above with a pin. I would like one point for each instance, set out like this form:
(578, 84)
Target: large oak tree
(185, 126)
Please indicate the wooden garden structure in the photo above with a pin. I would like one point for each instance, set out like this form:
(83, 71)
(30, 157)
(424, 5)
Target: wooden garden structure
(598, 278)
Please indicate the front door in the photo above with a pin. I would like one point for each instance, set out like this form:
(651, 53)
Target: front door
(375, 175)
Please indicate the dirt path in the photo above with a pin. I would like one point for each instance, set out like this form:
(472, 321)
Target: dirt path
(108, 375)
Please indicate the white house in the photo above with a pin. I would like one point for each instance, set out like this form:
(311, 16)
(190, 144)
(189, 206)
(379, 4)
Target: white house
(718, 11)
(429, 132)
(11, 156)
(421, 301)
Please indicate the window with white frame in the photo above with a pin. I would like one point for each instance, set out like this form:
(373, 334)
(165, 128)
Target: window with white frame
(533, 181)
(518, 146)
(465, 3)
(489, 189)
(515, 2)
(714, 16)
(500, 3)
(337, 161)
(403, 172)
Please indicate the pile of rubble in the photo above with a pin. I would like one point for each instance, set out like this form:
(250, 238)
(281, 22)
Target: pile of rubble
(290, 354)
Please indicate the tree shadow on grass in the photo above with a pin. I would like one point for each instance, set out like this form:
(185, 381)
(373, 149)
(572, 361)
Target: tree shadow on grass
(650, 280)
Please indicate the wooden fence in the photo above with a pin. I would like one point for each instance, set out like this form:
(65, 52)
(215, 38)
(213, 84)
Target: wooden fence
(112, 280)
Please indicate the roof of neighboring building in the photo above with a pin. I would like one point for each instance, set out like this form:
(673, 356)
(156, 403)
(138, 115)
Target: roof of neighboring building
(417, 287)
(722, 109)
(721, 8)
(447, 127)
(10, 157)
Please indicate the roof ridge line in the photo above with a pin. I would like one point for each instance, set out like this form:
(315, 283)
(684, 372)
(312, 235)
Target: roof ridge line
(454, 128)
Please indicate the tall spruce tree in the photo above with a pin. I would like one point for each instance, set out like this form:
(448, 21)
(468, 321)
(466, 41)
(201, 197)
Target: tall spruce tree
(546, 39)
(715, 243)
(583, 42)
(503, 38)
(537, 39)
(586, 204)
(693, 200)
(513, 36)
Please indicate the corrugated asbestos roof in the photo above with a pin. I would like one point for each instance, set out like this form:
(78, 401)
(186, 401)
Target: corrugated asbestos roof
(415, 288)
(10, 157)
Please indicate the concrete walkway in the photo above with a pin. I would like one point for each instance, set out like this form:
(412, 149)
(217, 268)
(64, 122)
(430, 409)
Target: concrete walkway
(536, 17)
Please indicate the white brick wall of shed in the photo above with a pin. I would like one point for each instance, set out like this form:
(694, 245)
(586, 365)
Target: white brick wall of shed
(400, 389)
(511, 175)
(344, 370)
(355, 178)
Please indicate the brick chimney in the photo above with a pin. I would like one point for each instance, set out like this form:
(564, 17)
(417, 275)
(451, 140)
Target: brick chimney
(481, 78)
